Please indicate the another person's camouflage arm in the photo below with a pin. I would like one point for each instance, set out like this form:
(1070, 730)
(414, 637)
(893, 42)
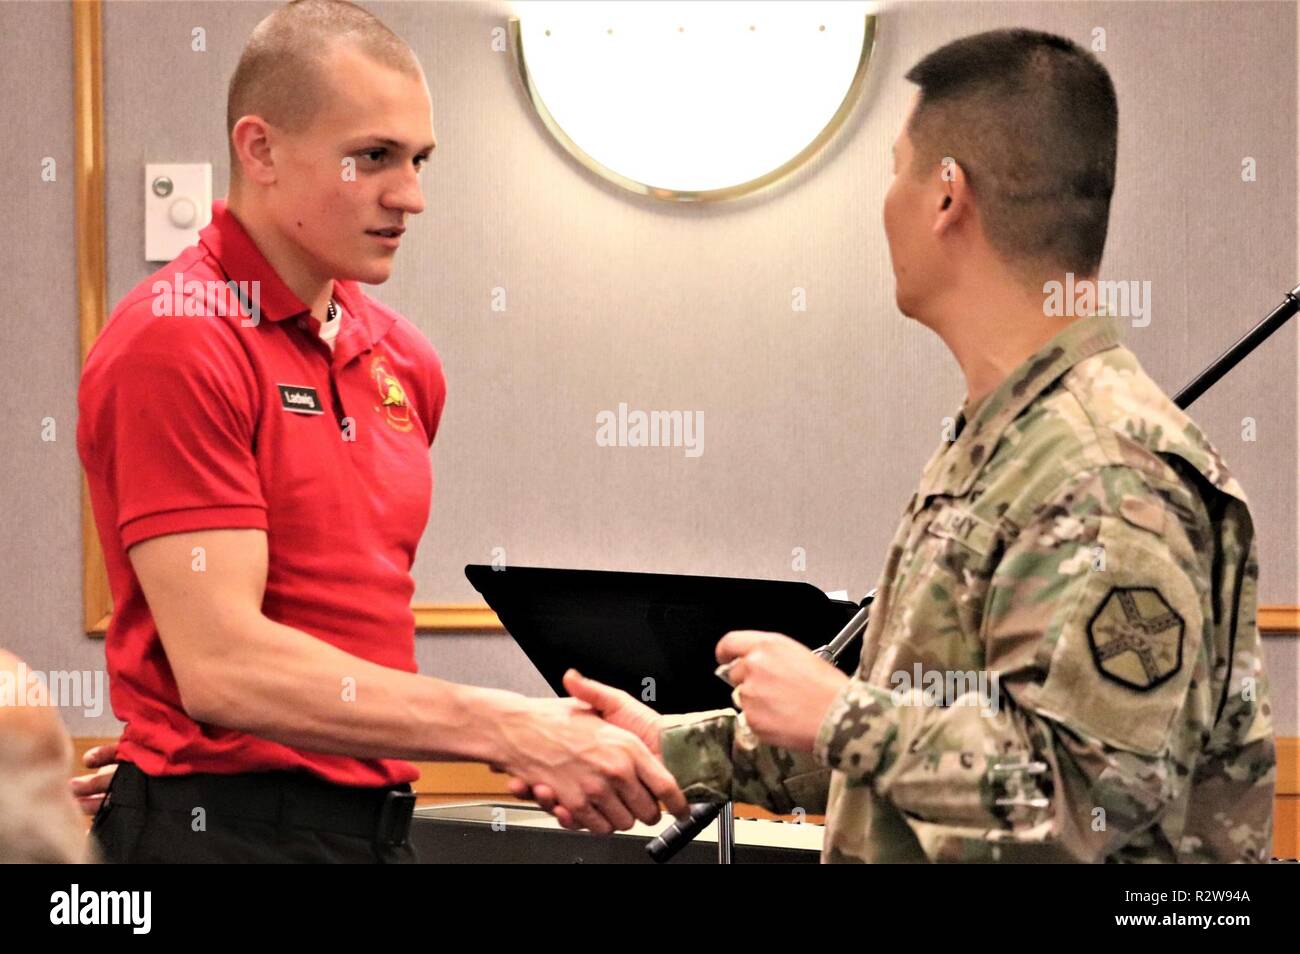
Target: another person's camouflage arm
(715, 757)
(1098, 622)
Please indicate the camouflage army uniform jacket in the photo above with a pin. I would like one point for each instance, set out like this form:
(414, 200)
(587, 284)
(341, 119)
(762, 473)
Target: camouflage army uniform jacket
(1062, 662)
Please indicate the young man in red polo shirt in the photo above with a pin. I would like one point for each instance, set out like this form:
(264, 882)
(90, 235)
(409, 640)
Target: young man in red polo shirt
(256, 432)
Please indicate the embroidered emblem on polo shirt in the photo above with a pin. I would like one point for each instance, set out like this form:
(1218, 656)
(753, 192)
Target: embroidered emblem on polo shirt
(300, 399)
(1136, 637)
(392, 398)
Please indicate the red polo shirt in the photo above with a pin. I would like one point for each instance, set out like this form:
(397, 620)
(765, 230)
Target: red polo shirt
(202, 410)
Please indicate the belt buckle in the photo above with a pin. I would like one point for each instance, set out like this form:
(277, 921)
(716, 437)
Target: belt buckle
(395, 819)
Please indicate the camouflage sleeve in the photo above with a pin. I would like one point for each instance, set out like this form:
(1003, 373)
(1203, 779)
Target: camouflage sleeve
(715, 757)
(1096, 631)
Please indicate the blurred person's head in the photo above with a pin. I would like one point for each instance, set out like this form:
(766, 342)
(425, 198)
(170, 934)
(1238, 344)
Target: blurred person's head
(39, 818)
(329, 122)
(1004, 171)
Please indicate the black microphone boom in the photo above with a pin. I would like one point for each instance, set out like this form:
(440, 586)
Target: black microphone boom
(1244, 346)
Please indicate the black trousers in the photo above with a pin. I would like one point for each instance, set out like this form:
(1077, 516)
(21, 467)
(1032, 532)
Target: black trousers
(265, 817)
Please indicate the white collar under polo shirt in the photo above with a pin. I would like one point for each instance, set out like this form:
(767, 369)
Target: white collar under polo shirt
(197, 414)
(329, 330)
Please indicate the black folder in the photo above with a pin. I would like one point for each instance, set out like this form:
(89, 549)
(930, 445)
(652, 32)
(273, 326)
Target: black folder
(650, 634)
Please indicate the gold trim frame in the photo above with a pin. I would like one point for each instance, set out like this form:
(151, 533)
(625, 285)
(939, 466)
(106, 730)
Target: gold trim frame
(709, 195)
(456, 618)
(92, 294)
(1277, 620)
(92, 272)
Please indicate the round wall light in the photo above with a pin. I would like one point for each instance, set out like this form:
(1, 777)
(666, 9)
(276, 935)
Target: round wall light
(693, 101)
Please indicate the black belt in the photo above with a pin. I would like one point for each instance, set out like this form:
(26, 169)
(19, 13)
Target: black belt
(286, 799)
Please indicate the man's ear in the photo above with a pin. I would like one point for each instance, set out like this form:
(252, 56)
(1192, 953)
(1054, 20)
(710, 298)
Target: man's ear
(953, 186)
(944, 221)
(251, 137)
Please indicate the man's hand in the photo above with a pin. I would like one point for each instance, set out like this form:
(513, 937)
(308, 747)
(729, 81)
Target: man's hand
(596, 775)
(89, 789)
(616, 706)
(612, 705)
(783, 688)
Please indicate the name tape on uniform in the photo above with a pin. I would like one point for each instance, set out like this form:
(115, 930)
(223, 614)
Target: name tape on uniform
(299, 399)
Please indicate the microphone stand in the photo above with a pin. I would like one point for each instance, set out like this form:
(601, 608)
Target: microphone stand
(679, 834)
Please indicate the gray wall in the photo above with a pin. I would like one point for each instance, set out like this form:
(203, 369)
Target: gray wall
(816, 423)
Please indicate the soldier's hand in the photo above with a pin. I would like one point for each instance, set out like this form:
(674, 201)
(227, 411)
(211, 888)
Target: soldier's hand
(612, 705)
(784, 690)
(602, 776)
(89, 789)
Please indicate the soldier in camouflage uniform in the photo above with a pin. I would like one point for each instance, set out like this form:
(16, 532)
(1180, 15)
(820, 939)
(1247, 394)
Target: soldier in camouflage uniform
(1082, 540)
(1063, 661)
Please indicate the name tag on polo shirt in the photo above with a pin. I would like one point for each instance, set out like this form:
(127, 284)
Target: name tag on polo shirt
(300, 399)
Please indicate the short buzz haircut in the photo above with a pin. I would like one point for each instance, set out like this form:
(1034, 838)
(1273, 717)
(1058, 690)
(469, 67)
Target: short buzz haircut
(282, 75)
(1032, 120)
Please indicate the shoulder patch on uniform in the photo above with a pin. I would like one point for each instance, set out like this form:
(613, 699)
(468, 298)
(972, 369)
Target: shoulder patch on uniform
(1146, 514)
(1136, 637)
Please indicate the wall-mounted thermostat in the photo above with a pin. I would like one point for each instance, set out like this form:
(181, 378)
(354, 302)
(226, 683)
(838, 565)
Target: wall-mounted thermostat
(177, 204)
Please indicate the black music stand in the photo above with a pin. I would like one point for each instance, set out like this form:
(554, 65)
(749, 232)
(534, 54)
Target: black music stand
(649, 634)
(652, 634)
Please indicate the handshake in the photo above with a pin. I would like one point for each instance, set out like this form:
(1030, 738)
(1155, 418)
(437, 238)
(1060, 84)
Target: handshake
(784, 690)
(593, 759)
(611, 775)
